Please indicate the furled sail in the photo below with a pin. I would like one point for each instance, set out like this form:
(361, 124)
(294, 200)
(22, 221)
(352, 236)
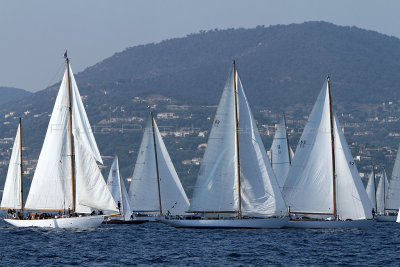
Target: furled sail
(12, 189)
(309, 185)
(381, 192)
(371, 191)
(217, 185)
(393, 195)
(143, 191)
(281, 153)
(118, 189)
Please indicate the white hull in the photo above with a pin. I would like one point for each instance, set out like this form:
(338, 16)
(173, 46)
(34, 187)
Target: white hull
(315, 224)
(73, 222)
(272, 223)
(385, 218)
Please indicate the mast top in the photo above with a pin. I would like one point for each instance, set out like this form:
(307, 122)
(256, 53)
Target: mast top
(234, 64)
(66, 56)
(328, 77)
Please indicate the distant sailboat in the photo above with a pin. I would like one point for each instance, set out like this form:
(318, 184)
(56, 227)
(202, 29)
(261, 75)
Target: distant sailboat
(236, 187)
(118, 190)
(323, 188)
(67, 177)
(393, 195)
(281, 153)
(383, 213)
(371, 189)
(155, 188)
(13, 194)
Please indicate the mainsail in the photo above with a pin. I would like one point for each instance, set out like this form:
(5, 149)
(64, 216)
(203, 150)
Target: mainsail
(309, 184)
(281, 153)
(371, 189)
(118, 190)
(143, 191)
(381, 193)
(51, 187)
(217, 186)
(393, 195)
(12, 189)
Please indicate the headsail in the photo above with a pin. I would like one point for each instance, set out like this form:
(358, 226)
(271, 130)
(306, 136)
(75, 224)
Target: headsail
(309, 185)
(12, 188)
(281, 153)
(381, 192)
(217, 185)
(371, 190)
(143, 191)
(91, 188)
(393, 195)
(118, 190)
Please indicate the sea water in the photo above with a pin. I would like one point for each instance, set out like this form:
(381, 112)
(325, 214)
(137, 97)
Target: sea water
(159, 244)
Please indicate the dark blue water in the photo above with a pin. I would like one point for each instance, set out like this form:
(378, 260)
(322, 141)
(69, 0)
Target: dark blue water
(158, 244)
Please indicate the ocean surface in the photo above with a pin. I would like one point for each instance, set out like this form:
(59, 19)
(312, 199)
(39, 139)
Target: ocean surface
(161, 245)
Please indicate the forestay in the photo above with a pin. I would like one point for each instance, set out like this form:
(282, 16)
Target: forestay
(280, 157)
(143, 191)
(381, 192)
(118, 190)
(393, 195)
(217, 185)
(12, 189)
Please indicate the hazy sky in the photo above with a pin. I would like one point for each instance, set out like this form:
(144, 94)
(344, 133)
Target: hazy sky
(35, 34)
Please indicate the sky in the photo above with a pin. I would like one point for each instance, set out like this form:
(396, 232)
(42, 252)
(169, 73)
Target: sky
(35, 34)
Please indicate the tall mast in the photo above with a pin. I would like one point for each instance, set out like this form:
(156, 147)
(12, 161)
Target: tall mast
(70, 134)
(287, 140)
(120, 190)
(20, 158)
(333, 150)
(376, 201)
(237, 142)
(155, 155)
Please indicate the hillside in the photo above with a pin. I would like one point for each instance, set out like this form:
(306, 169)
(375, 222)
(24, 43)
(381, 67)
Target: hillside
(282, 68)
(10, 94)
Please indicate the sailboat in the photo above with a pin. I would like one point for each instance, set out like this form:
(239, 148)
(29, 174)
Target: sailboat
(393, 195)
(371, 189)
(118, 190)
(155, 188)
(67, 179)
(13, 190)
(236, 186)
(383, 215)
(281, 154)
(323, 188)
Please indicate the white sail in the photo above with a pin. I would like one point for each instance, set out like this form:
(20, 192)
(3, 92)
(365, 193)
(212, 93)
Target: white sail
(309, 184)
(393, 195)
(381, 192)
(12, 188)
(371, 190)
(281, 153)
(143, 190)
(351, 198)
(51, 187)
(217, 185)
(118, 189)
(53, 170)
(91, 188)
